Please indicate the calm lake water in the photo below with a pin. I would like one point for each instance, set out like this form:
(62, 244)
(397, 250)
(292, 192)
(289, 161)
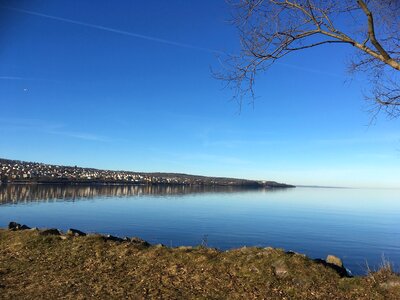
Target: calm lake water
(357, 225)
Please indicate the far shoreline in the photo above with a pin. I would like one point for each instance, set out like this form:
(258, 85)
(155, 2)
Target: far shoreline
(72, 183)
(15, 171)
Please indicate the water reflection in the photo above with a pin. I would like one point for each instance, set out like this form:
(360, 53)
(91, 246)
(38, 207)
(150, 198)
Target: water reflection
(13, 194)
(356, 225)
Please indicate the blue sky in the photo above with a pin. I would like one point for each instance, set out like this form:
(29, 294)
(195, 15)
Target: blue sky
(127, 85)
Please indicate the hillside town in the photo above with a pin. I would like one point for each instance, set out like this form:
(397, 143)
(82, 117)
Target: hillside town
(14, 171)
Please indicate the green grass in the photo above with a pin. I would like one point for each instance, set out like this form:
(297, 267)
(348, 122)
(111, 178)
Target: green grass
(33, 266)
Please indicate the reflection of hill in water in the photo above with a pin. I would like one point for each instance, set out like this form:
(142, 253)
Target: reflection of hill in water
(27, 193)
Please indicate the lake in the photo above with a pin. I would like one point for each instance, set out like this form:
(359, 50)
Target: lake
(359, 225)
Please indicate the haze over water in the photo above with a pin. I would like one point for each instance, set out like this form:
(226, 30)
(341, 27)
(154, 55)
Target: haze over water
(358, 225)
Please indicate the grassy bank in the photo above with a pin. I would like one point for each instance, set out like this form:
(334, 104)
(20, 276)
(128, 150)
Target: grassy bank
(38, 266)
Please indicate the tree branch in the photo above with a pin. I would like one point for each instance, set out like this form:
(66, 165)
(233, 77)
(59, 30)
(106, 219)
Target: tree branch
(371, 33)
(371, 30)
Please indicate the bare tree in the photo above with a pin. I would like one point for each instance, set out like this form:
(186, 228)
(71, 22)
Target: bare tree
(272, 29)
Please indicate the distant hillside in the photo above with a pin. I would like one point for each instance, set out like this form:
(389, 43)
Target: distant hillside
(15, 171)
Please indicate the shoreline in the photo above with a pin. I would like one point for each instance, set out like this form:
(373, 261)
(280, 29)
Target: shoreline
(49, 264)
(331, 261)
(93, 183)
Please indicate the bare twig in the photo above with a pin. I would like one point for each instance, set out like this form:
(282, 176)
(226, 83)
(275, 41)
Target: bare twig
(272, 29)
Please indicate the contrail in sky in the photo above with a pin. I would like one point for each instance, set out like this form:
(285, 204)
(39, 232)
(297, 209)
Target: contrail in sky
(150, 38)
(26, 78)
(11, 78)
(122, 32)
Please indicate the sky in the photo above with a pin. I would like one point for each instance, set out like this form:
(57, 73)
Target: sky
(127, 85)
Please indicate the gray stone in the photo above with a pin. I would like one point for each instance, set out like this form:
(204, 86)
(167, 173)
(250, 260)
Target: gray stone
(334, 260)
(17, 226)
(136, 240)
(110, 237)
(342, 271)
(13, 225)
(51, 231)
(75, 232)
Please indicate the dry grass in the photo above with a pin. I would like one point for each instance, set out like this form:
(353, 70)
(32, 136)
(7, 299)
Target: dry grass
(33, 266)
